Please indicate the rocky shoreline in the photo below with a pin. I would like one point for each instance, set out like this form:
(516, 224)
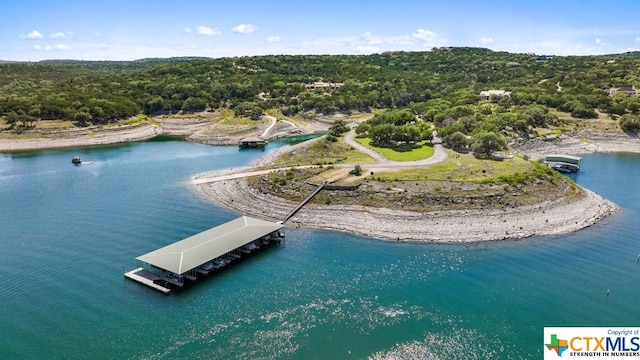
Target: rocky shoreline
(80, 137)
(579, 143)
(550, 218)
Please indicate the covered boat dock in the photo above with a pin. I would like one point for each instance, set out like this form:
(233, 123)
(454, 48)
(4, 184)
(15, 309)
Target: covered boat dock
(252, 142)
(563, 163)
(170, 267)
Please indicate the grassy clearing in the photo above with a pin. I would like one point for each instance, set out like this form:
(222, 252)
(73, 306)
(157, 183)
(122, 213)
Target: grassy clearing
(55, 124)
(229, 117)
(602, 123)
(419, 151)
(464, 168)
(323, 152)
(330, 175)
(132, 121)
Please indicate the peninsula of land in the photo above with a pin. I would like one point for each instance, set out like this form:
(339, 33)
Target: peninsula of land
(492, 112)
(471, 221)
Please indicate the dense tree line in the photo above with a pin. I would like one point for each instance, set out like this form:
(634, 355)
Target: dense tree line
(480, 127)
(438, 85)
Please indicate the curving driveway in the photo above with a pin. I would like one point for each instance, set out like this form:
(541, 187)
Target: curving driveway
(439, 154)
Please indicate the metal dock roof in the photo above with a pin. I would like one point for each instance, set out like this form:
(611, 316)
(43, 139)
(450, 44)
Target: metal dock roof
(196, 250)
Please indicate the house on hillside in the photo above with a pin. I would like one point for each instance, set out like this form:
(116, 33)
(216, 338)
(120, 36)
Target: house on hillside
(545, 58)
(629, 90)
(486, 95)
(324, 85)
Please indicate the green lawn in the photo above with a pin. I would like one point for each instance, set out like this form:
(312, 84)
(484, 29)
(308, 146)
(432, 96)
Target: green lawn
(463, 168)
(323, 152)
(419, 151)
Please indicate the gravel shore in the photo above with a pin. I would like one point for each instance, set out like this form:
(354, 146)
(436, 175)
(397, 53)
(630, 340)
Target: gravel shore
(81, 137)
(553, 217)
(549, 218)
(579, 143)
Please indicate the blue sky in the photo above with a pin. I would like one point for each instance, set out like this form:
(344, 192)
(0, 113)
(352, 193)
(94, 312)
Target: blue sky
(32, 30)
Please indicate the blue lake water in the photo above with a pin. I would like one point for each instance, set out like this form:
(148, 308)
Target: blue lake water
(67, 234)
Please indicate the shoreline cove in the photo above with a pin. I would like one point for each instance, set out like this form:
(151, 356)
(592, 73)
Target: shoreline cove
(549, 218)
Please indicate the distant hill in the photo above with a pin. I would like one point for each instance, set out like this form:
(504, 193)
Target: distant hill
(104, 91)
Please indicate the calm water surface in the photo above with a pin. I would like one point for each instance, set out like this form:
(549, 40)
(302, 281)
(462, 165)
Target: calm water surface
(68, 233)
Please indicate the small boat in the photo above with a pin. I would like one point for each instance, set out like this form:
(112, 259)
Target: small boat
(561, 168)
(76, 160)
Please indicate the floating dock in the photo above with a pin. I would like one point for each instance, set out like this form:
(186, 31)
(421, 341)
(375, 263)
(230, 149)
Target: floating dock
(191, 259)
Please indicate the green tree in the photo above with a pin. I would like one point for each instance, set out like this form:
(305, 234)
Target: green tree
(485, 143)
(338, 128)
(12, 119)
(457, 141)
(362, 129)
(629, 123)
(381, 134)
(82, 118)
(194, 104)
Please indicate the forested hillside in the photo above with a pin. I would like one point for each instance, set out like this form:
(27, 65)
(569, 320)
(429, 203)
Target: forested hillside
(440, 84)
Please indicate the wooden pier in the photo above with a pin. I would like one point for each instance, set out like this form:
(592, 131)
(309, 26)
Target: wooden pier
(304, 202)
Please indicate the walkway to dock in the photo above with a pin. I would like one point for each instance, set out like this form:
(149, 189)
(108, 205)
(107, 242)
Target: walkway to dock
(244, 174)
(144, 277)
(439, 155)
(304, 202)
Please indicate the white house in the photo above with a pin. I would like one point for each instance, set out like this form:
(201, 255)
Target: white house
(486, 95)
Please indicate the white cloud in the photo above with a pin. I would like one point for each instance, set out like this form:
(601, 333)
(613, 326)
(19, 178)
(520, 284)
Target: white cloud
(599, 41)
(244, 29)
(58, 47)
(421, 39)
(273, 39)
(61, 35)
(205, 30)
(35, 34)
(423, 34)
(367, 49)
(416, 40)
(486, 40)
(61, 47)
(187, 30)
(99, 46)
